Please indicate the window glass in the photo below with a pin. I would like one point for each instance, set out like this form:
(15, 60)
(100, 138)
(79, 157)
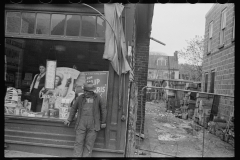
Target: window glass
(223, 19)
(13, 22)
(57, 26)
(88, 26)
(43, 23)
(100, 27)
(73, 25)
(24, 55)
(28, 23)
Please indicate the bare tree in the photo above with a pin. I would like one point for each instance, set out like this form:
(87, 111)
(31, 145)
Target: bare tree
(193, 55)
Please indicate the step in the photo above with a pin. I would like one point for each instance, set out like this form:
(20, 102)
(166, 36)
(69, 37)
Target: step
(39, 135)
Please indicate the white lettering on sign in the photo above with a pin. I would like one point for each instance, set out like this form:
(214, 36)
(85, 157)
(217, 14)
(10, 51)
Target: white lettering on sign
(89, 77)
(100, 89)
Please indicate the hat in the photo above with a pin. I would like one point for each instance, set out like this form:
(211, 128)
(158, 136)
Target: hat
(60, 75)
(89, 87)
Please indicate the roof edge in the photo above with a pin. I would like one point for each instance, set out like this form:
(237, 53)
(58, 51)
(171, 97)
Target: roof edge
(210, 10)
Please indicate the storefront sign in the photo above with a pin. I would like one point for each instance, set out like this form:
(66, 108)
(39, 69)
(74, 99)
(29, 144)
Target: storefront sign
(100, 80)
(50, 74)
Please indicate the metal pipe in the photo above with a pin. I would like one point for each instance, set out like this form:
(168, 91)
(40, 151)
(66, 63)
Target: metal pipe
(157, 41)
(141, 118)
(126, 142)
(174, 80)
(203, 134)
(191, 91)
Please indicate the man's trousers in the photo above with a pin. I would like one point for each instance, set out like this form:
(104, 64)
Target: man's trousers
(85, 137)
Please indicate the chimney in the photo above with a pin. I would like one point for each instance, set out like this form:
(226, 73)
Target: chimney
(176, 55)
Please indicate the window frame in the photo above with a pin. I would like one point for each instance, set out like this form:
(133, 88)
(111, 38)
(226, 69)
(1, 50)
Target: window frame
(212, 82)
(49, 36)
(222, 27)
(206, 82)
(210, 33)
(233, 30)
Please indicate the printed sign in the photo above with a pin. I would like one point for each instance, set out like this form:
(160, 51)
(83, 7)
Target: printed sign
(50, 74)
(100, 80)
(63, 88)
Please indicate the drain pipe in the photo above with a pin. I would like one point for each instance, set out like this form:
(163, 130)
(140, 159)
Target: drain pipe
(203, 134)
(128, 114)
(141, 118)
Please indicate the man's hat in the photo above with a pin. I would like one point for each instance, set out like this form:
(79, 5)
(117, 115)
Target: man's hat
(89, 87)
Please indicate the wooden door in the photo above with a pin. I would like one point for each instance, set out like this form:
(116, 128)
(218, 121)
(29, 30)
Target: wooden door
(113, 137)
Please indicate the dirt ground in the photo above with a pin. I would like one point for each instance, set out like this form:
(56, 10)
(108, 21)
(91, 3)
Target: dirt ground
(168, 136)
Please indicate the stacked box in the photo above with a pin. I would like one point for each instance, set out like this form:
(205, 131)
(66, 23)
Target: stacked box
(203, 95)
(190, 113)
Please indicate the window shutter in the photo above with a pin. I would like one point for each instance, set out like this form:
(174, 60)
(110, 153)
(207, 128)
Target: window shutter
(209, 46)
(221, 37)
(234, 28)
(223, 20)
(210, 29)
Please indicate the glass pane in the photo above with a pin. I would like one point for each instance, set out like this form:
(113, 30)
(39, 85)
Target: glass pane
(58, 22)
(28, 22)
(73, 25)
(88, 26)
(100, 27)
(13, 22)
(43, 23)
(14, 57)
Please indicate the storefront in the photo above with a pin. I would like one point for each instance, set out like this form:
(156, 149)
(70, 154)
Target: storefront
(73, 36)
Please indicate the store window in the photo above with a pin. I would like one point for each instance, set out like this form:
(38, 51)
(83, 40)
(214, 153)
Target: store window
(76, 42)
(88, 26)
(43, 24)
(28, 23)
(65, 26)
(13, 22)
(100, 27)
(73, 25)
(57, 24)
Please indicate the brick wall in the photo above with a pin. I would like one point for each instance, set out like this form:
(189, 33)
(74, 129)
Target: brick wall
(140, 73)
(221, 60)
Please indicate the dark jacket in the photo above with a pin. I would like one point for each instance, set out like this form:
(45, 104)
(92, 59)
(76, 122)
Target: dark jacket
(99, 110)
(41, 82)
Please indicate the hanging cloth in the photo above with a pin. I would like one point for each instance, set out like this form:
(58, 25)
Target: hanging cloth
(111, 52)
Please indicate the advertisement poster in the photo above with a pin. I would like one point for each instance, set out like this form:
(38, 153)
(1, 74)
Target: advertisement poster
(63, 88)
(100, 80)
(68, 81)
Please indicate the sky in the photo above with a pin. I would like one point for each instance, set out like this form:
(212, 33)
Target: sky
(173, 24)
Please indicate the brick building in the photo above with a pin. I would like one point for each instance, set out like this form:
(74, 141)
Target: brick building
(219, 55)
(163, 67)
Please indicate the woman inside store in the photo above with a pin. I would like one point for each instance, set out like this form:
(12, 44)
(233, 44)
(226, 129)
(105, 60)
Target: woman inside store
(55, 94)
(36, 86)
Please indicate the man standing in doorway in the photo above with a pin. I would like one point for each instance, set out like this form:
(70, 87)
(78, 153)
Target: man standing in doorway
(37, 84)
(91, 117)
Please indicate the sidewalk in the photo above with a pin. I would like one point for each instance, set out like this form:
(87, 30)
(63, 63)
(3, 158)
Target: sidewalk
(11, 153)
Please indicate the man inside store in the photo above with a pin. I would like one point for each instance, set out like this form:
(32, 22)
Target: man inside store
(90, 119)
(37, 84)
